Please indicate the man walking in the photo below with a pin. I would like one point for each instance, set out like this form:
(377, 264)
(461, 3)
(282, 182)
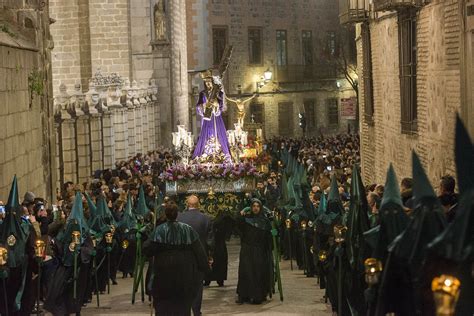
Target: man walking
(201, 223)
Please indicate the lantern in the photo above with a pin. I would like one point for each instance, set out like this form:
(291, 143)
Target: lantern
(340, 233)
(446, 293)
(40, 247)
(373, 269)
(3, 256)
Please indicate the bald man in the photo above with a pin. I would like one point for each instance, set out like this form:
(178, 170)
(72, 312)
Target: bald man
(202, 224)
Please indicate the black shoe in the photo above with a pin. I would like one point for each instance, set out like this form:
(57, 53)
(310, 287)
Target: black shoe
(255, 301)
(114, 282)
(239, 300)
(124, 276)
(206, 283)
(220, 283)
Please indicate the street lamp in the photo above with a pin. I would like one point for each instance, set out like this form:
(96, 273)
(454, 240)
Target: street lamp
(267, 76)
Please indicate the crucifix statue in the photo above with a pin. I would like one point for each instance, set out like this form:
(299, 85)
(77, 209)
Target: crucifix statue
(241, 108)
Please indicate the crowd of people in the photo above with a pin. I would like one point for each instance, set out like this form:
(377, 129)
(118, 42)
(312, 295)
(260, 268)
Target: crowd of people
(122, 218)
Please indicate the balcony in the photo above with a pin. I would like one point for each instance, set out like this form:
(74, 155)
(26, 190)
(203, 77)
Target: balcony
(304, 73)
(385, 5)
(353, 11)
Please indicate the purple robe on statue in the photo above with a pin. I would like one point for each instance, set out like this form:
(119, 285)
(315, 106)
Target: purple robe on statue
(210, 127)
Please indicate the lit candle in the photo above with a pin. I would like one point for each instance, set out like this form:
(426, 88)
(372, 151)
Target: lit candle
(259, 133)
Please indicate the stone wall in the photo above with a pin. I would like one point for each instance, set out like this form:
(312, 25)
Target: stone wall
(438, 88)
(292, 16)
(25, 75)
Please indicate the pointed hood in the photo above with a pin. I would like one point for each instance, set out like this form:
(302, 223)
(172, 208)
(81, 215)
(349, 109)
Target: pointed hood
(141, 209)
(104, 211)
(128, 221)
(97, 223)
(323, 204)
(76, 220)
(456, 243)
(91, 205)
(464, 155)
(428, 220)
(334, 199)
(422, 188)
(358, 223)
(391, 192)
(393, 219)
(13, 236)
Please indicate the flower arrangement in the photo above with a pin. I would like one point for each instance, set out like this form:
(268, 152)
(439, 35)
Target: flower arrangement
(231, 172)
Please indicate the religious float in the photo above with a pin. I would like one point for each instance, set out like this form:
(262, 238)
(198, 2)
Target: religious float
(224, 164)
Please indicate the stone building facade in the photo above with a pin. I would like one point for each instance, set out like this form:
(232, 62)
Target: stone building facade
(139, 40)
(415, 65)
(112, 121)
(26, 137)
(296, 40)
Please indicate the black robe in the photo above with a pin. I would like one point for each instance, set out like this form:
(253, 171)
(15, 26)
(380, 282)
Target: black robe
(256, 265)
(178, 265)
(222, 227)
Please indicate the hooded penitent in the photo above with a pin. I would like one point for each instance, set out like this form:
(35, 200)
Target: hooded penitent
(128, 220)
(393, 219)
(141, 210)
(403, 267)
(453, 251)
(13, 236)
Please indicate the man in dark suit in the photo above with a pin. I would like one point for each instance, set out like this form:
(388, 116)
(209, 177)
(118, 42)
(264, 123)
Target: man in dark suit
(202, 224)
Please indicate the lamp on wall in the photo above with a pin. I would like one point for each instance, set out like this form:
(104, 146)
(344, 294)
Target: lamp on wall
(267, 77)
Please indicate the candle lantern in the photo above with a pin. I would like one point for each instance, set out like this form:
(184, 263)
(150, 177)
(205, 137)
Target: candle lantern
(108, 238)
(340, 233)
(446, 293)
(303, 225)
(3, 256)
(322, 255)
(40, 247)
(288, 223)
(76, 237)
(125, 244)
(373, 269)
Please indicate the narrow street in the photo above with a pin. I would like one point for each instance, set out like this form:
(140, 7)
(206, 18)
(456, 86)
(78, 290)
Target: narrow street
(302, 296)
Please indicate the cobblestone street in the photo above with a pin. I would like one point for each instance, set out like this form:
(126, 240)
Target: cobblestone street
(302, 296)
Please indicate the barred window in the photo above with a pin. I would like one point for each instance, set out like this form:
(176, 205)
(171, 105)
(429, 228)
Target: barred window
(333, 112)
(310, 115)
(367, 74)
(219, 41)
(281, 48)
(256, 113)
(408, 60)
(307, 41)
(285, 118)
(255, 46)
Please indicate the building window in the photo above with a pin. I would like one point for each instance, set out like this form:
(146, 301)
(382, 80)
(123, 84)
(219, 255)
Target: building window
(408, 60)
(310, 114)
(285, 118)
(331, 43)
(333, 112)
(367, 74)
(281, 48)
(219, 42)
(256, 113)
(307, 40)
(255, 46)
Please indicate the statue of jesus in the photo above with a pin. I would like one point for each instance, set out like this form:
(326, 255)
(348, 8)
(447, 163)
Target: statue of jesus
(213, 137)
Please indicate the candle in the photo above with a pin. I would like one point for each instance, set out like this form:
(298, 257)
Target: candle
(259, 133)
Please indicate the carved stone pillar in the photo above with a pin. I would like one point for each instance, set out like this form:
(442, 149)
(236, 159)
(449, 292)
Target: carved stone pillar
(151, 118)
(95, 128)
(82, 135)
(108, 139)
(138, 119)
(156, 110)
(120, 130)
(144, 114)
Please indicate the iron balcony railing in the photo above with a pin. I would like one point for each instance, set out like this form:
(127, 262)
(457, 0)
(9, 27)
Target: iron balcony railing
(383, 5)
(353, 11)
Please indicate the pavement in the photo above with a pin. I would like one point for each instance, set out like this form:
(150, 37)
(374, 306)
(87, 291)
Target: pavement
(302, 296)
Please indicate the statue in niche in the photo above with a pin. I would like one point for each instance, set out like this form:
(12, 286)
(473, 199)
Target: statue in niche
(160, 20)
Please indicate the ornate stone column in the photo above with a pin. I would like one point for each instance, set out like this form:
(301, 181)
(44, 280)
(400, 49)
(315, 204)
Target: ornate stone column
(130, 113)
(138, 118)
(66, 137)
(144, 114)
(151, 118)
(118, 119)
(82, 135)
(95, 128)
(156, 110)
